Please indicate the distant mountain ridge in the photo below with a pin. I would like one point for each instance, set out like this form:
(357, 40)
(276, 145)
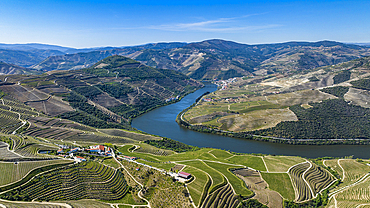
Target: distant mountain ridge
(212, 59)
(14, 69)
(33, 54)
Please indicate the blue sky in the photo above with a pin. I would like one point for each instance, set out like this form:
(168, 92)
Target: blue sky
(120, 23)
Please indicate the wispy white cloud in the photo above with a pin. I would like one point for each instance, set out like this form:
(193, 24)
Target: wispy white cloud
(217, 25)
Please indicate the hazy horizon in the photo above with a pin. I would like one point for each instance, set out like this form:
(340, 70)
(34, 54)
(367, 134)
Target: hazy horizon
(86, 24)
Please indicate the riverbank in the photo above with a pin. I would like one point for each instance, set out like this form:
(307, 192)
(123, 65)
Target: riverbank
(162, 122)
(245, 135)
(180, 96)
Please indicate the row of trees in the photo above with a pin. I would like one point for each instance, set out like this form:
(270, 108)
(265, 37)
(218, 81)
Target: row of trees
(170, 144)
(331, 119)
(338, 91)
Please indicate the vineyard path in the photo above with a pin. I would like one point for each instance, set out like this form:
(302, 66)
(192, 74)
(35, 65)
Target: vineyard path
(139, 193)
(344, 175)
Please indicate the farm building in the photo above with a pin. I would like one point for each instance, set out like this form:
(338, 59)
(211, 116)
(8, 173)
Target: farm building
(129, 158)
(74, 150)
(60, 151)
(184, 175)
(80, 159)
(97, 148)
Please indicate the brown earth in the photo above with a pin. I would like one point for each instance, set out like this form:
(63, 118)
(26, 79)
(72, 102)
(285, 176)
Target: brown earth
(255, 183)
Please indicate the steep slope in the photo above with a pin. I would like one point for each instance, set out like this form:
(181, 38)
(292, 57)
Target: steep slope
(14, 69)
(220, 59)
(105, 95)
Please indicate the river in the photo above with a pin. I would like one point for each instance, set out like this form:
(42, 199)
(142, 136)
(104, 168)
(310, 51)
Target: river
(161, 121)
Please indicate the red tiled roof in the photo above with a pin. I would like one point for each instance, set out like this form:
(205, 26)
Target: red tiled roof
(183, 174)
(92, 149)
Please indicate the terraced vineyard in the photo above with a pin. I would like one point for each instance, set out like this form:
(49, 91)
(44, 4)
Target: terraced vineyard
(53, 122)
(359, 192)
(318, 178)
(9, 204)
(353, 170)
(309, 179)
(13, 172)
(30, 147)
(12, 113)
(281, 163)
(5, 154)
(217, 179)
(52, 133)
(302, 190)
(87, 180)
(222, 197)
(32, 150)
(9, 121)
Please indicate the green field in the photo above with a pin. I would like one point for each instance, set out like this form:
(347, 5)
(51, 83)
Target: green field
(111, 162)
(221, 154)
(281, 183)
(217, 178)
(254, 162)
(196, 187)
(281, 163)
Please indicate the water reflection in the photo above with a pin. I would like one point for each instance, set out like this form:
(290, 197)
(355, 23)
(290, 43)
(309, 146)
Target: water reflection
(161, 121)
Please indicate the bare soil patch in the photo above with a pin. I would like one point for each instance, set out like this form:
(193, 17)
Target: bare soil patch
(246, 172)
(205, 118)
(257, 119)
(254, 182)
(358, 97)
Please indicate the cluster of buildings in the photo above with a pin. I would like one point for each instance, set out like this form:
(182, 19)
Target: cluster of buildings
(224, 83)
(101, 150)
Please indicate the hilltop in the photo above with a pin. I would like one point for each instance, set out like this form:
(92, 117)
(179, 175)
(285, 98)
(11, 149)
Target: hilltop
(214, 59)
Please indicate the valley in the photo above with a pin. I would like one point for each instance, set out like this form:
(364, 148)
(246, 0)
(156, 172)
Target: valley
(74, 138)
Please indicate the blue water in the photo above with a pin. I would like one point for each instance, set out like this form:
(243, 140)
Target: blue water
(161, 121)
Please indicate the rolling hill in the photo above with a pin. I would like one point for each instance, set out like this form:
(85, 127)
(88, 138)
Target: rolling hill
(14, 69)
(106, 95)
(220, 59)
